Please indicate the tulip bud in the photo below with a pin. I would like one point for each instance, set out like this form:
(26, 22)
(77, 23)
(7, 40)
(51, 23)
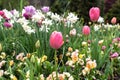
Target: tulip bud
(84, 43)
(37, 44)
(113, 20)
(86, 30)
(56, 40)
(94, 14)
(33, 58)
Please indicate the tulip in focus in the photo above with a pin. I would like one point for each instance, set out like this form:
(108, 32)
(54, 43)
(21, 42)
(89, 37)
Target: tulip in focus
(86, 30)
(114, 20)
(56, 40)
(94, 14)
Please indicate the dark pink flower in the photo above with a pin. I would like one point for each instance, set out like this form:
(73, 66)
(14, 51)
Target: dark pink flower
(7, 24)
(94, 14)
(56, 40)
(1, 13)
(86, 30)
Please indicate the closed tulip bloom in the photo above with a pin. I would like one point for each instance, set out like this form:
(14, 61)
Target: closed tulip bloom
(114, 20)
(56, 40)
(86, 30)
(94, 14)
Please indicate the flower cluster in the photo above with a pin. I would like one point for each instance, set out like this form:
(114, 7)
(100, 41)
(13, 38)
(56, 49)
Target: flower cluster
(42, 45)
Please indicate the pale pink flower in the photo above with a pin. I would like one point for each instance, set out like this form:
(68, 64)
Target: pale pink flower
(73, 32)
(20, 56)
(74, 56)
(114, 20)
(114, 55)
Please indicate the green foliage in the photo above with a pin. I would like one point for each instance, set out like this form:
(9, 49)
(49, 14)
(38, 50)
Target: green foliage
(114, 11)
(81, 7)
(12, 4)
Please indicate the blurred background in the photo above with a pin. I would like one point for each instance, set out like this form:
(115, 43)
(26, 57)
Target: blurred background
(109, 8)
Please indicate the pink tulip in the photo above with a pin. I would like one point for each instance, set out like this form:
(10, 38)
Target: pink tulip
(56, 40)
(86, 30)
(94, 14)
(113, 20)
(114, 55)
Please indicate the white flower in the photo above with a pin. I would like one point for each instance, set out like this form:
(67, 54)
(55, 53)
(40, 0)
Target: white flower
(96, 28)
(47, 22)
(28, 74)
(38, 16)
(72, 18)
(71, 78)
(16, 13)
(56, 17)
(8, 14)
(1, 18)
(28, 29)
(70, 63)
(44, 28)
(66, 74)
(49, 13)
(42, 77)
(23, 21)
(101, 19)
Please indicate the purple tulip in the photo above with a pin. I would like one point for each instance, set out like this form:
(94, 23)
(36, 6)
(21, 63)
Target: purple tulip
(45, 9)
(29, 12)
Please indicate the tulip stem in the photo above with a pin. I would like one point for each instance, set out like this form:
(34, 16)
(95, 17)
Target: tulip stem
(55, 58)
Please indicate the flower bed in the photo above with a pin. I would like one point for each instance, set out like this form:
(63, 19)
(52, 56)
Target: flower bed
(41, 45)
